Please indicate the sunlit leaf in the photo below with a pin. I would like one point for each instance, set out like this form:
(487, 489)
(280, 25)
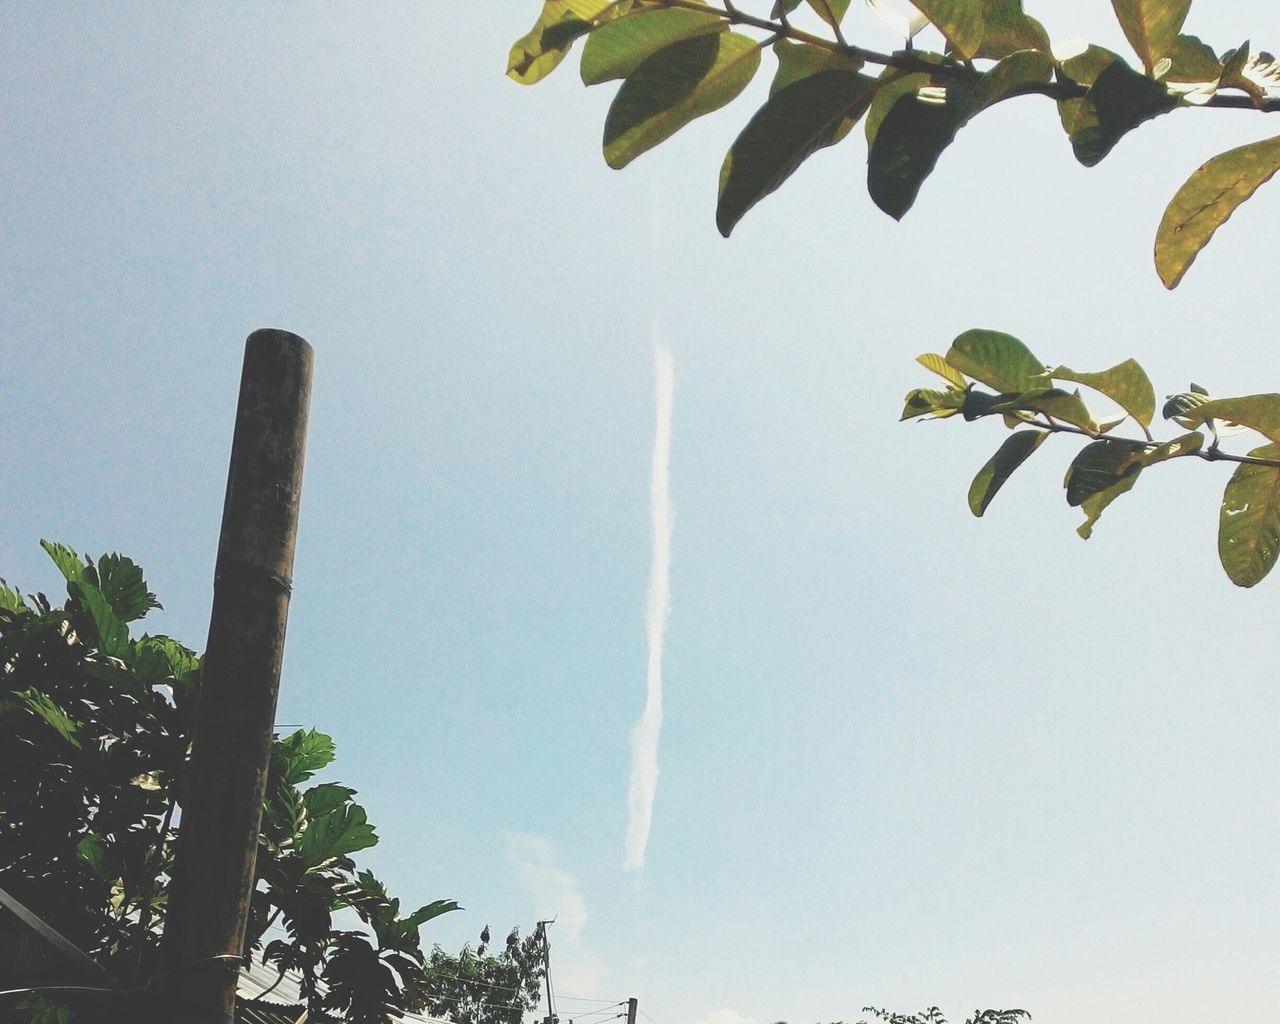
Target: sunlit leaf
(326, 798)
(794, 123)
(801, 60)
(10, 600)
(1017, 448)
(1126, 384)
(539, 52)
(938, 365)
(618, 47)
(1249, 523)
(1192, 61)
(1007, 29)
(830, 11)
(996, 359)
(336, 834)
(928, 402)
(304, 753)
(43, 707)
(673, 87)
(1206, 200)
(1118, 100)
(960, 21)
(913, 132)
(1094, 505)
(1151, 26)
(1258, 412)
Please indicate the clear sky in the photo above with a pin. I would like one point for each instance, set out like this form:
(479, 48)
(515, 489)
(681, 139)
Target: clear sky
(907, 757)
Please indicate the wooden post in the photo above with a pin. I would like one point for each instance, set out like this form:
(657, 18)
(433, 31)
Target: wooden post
(222, 807)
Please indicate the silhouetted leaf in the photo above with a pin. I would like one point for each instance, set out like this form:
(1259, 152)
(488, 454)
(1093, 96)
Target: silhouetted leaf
(998, 360)
(1017, 448)
(43, 707)
(621, 45)
(795, 122)
(1151, 26)
(1206, 200)
(1099, 466)
(1249, 523)
(1126, 384)
(1118, 100)
(673, 87)
(914, 132)
(539, 52)
(121, 583)
(91, 851)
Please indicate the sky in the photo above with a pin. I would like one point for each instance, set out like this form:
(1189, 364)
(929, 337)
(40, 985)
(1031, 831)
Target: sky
(906, 757)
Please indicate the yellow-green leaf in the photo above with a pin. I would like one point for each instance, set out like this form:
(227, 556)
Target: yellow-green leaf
(618, 47)
(1249, 523)
(996, 359)
(800, 60)
(673, 87)
(795, 122)
(540, 51)
(1209, 197)
(1102, 472)
(961, 21)
(830, 11)
(935, 363)
(1061, 405)
(1185, 444)
(1258, 412)
(1192, 61)
(1007, 29)
(930, 402)
(1151, 26)
(1126, 384)
(1017, 448)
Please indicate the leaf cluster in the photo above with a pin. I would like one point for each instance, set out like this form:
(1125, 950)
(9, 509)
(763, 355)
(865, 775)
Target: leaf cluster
(678, 60)
(474, 987)
(1022, 391)
(95, 732)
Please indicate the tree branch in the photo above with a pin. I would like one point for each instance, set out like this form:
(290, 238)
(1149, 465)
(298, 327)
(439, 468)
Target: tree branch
(1210, 454)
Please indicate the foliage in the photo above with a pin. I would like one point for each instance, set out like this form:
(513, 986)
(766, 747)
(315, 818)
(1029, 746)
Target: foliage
(1024, 395)
(934, 1016)
(475, 988)
(95, 727)
(678, 60)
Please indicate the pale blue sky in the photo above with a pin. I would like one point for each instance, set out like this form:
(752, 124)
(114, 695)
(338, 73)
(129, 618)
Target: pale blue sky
(908, 757)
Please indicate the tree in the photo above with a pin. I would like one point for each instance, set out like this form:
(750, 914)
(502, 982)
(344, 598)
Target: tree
(680, 59)
(95, 727)
(475, 988)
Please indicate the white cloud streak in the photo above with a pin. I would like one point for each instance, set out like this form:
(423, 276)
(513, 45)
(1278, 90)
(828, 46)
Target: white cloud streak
(644, 738)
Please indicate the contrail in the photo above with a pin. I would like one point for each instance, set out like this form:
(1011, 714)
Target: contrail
(644, 738)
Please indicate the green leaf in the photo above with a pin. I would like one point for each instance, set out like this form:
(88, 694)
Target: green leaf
(794, 123)
(1102, 472)
(961, 21)
(927, 402)
(1118, 100)
(1009, 29)
(672, 88)
(935, 363)
(1206, 200)
(1192, 61)
(797, 61)
(91, 851)
(112, 635)
(1258, 412)
(539, 52)
(67, 561)
(43, 707)
(323, 799)
(121, 583)
(891, 86)
(1062, 405)
(1249, 523)
(1151, 26)
(998, 360)
(619, 46)
(913, 133)
(1017, 448)
(11, 600)
(1185, 444)
(830, 11)
(1126, 384)
(336, 834)
(303, 753)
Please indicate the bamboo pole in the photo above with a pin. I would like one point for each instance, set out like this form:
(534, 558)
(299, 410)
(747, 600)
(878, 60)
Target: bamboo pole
(213, 873)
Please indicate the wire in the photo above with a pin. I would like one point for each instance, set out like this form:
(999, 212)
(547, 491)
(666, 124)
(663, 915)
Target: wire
(647, 1017)
(473, 981)
(586, 999)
